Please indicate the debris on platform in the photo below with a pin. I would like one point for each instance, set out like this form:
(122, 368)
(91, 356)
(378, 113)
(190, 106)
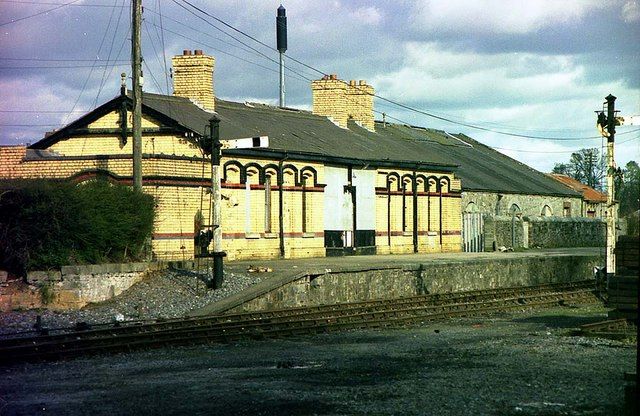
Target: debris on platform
(259, 269)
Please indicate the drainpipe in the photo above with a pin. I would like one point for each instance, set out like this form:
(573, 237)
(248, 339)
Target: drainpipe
(388, 212)
(440, 211)
(414, 189)
(352, 190)
(281, 204)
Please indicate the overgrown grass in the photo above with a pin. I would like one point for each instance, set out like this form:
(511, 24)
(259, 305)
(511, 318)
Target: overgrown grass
(46, 224)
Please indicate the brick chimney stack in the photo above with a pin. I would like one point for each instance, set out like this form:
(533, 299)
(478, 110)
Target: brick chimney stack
(334, 98)
(193, 78)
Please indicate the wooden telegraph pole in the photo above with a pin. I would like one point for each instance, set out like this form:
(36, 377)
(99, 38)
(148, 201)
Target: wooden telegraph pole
(136, 70)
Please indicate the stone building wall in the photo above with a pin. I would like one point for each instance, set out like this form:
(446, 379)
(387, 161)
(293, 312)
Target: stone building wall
(493, 203)
(542, 232)
(566, 232)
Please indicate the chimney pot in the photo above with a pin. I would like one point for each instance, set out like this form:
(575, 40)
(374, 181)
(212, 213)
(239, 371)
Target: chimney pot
(363, 82)
(198, 51)
(352, 82)
(186, 52)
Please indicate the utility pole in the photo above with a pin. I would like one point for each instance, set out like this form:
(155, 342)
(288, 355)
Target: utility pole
(136, 70)
(216, 199)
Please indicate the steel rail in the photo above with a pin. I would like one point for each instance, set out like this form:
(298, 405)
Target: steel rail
(312, 322)
(380, 304)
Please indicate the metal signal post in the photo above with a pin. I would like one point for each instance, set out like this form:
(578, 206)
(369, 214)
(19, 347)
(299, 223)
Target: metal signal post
(607, 127)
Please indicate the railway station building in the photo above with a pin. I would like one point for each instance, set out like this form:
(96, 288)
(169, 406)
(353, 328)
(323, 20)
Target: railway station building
(295, 183)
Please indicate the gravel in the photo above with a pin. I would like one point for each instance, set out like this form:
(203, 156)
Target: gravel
(166, 294)
(524, 364)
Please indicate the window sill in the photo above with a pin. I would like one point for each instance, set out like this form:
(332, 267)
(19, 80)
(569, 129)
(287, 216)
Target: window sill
(270, 235)
(432, 233)
(407, 233)
(308, 235)
(252, 235)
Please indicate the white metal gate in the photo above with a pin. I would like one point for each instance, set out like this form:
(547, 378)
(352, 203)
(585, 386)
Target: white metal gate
(473, 232)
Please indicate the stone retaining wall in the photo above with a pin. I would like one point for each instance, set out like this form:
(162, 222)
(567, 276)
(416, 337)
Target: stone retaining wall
(73, 287)
(434, 277)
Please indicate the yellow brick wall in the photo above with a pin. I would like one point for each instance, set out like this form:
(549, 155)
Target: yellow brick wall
(246, 238)
(193, 78)
(112, 121)
(177, 207)
(105, 145)
(428, 239)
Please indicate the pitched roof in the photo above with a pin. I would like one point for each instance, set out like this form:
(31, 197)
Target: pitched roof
(588, 193)
(302, 133)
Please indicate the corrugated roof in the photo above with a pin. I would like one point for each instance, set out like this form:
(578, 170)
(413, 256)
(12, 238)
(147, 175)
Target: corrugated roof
(588, 193)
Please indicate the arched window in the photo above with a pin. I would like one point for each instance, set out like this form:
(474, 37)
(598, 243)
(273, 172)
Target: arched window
(546, 211)
(471, 207)
(515, 209)
(231, 173)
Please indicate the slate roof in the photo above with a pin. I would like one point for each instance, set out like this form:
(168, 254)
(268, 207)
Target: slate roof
(301, 133)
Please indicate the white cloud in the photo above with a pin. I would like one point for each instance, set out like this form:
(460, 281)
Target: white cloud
(499, 16)
(367, 15)
(631, 11)
(431, 73)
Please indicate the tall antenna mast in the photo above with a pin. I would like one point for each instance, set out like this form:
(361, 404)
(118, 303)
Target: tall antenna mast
(136, 70)
(281, 38)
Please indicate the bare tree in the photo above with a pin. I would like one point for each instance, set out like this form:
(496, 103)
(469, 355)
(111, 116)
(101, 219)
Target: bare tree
(586, 166)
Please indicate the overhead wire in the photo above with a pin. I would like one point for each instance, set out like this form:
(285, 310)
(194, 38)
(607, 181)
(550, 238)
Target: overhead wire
(164, 49)
(113, 39)
(104, 70)
(59, 6)
(156, 55)
(47, 3)
(226, 53)
(430, 114)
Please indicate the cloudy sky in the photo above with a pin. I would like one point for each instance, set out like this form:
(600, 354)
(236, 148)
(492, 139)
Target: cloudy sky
(530, 68)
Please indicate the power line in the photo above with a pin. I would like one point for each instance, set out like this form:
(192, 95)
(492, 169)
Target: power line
(559, 151)
(447, 119)
(28, 125)
(223, 52)
(104, 70)
(46, 3)
(164, 50)
(54, 60)
(113, 39)
(43, 111)
(64, 66)
(59, 6)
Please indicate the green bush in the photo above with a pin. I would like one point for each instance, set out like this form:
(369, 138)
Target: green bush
(47, 224)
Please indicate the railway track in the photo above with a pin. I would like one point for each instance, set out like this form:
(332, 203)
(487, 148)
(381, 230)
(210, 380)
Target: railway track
(292, 321)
